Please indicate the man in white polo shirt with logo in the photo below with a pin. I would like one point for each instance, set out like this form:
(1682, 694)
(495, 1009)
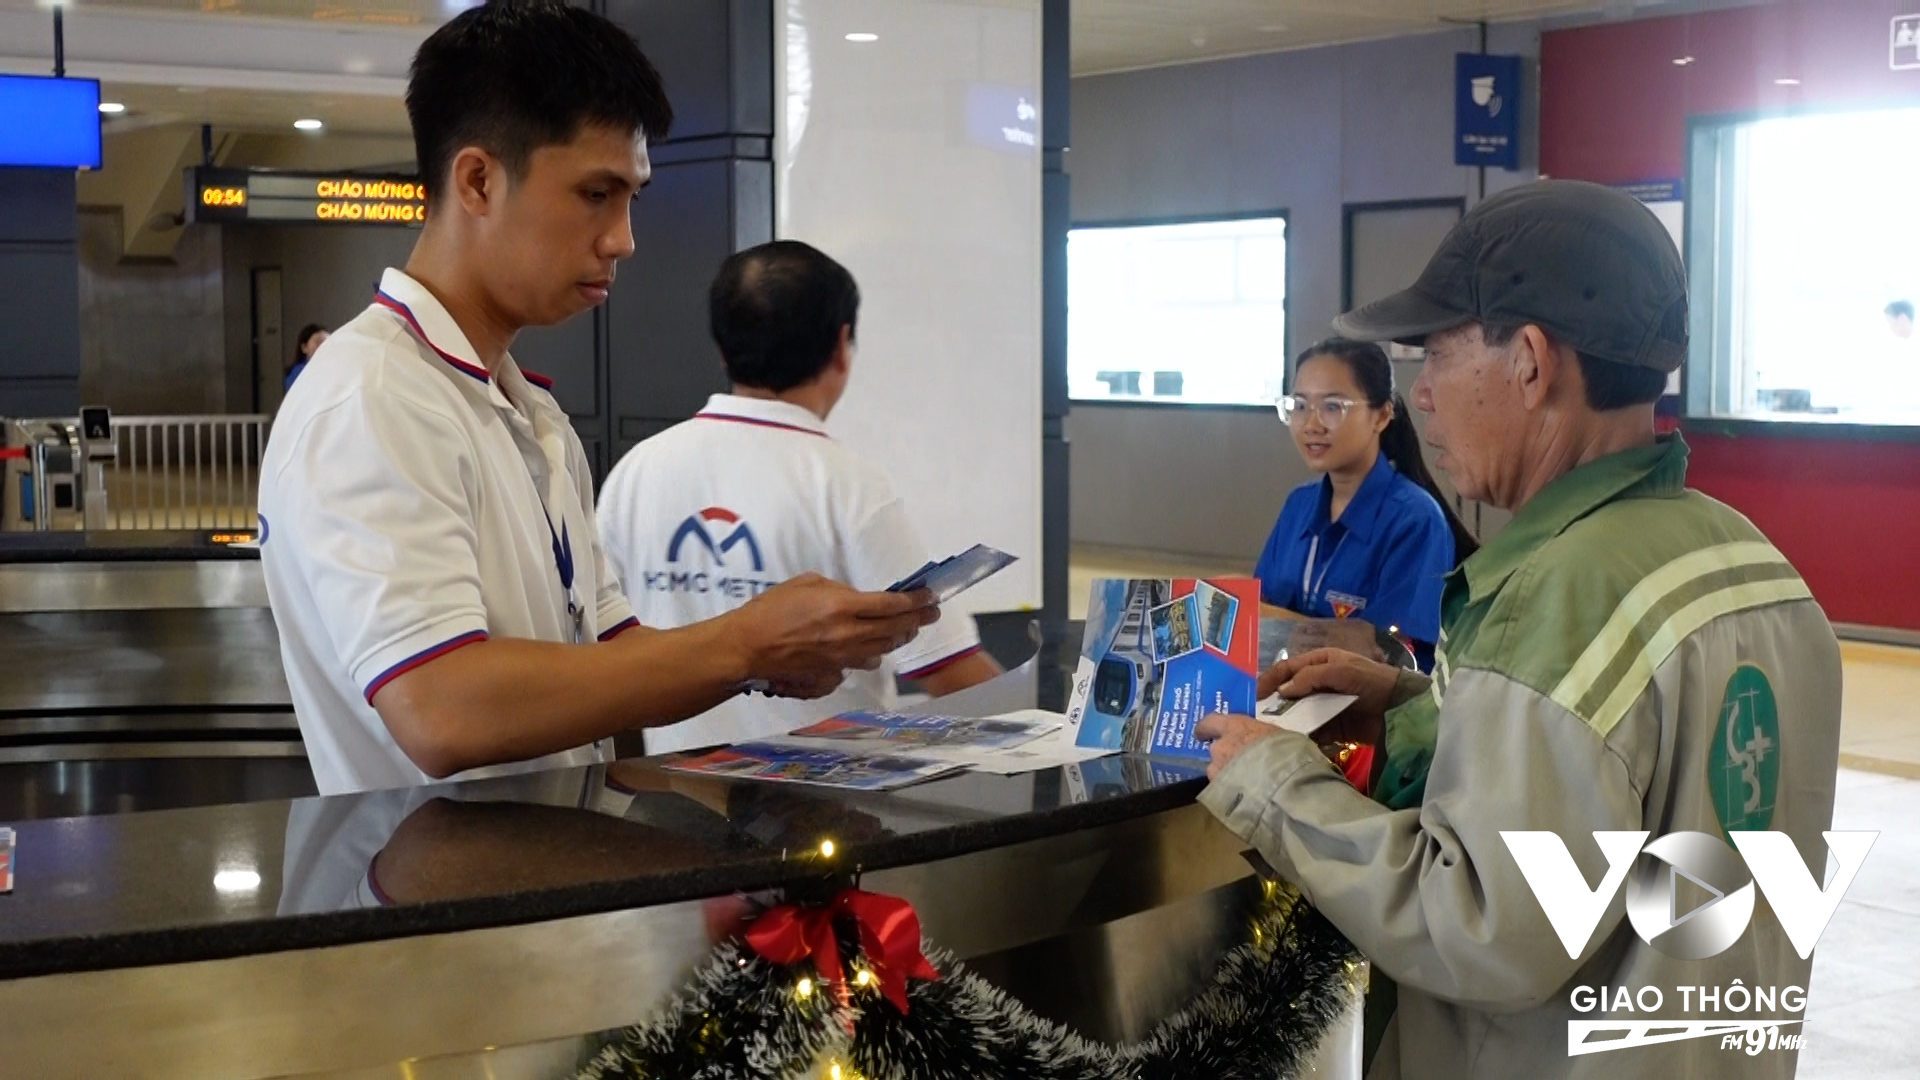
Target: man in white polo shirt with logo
(711, 513)
(427, 524)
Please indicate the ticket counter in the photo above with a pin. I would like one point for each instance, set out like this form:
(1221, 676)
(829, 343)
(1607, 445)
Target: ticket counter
(494, 929)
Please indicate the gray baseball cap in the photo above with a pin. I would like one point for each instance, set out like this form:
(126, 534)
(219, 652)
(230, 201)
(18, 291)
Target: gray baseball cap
(1588, 264)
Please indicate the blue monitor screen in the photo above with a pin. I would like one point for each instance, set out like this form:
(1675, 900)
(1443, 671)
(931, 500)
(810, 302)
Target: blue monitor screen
(54, 123)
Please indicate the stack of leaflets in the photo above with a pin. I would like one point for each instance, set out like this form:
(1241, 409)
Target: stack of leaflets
(874, 751)
(1159, 656)
(776, 759)
(952, 576)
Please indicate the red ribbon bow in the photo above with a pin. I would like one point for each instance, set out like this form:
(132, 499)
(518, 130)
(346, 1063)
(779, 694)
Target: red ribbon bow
(889, 935)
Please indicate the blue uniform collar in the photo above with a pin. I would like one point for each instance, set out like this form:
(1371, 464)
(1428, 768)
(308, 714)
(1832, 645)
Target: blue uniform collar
(1363, 512)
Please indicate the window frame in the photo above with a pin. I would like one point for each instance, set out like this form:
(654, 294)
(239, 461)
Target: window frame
(1708, 169)
(1349, 210)
(1286, 307)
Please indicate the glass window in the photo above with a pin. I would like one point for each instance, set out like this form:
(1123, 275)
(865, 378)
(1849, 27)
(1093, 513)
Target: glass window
(1192, 313)
(1805, 253)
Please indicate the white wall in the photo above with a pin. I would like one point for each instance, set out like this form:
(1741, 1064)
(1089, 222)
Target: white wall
(1306, 132)
(877, 165)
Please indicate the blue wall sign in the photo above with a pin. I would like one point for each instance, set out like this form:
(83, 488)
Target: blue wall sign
(1486, 110)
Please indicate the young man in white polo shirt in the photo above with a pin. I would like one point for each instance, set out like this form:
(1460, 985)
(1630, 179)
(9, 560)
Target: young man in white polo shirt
(427, 522)
(708, 514)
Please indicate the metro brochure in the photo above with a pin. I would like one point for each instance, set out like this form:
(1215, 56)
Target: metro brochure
(950, 577)
(1159, 656)
(1008, 744)
(800, 764)
(905, 733)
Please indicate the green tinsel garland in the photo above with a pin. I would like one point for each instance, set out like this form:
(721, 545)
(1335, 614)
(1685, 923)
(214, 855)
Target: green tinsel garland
(1264, 1013)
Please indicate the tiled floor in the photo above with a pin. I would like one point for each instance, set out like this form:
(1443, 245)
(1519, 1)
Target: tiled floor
(1865, 997)
(1881, 710)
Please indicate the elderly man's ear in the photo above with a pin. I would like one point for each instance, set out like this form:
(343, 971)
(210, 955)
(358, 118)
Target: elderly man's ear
(1542, 367)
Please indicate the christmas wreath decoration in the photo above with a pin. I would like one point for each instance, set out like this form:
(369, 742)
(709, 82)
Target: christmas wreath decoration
(780, 1004)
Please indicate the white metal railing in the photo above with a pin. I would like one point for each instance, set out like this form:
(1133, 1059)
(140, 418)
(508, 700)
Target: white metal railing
(185, 472)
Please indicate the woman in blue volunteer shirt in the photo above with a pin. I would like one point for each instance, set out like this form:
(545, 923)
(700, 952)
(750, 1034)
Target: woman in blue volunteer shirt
(312, 336)
(1372, 538)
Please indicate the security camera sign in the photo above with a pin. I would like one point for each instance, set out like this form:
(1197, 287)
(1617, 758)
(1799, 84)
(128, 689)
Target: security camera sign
(1905, 44)
(1486, 111)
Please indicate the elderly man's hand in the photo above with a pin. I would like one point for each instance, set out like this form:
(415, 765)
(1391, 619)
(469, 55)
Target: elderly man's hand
(1229, 735)
(1334, 671)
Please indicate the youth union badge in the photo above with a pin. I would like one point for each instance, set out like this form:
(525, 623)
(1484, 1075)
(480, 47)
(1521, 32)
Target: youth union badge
(1345, 606)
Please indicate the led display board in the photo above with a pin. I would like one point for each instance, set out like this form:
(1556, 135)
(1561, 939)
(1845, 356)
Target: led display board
(237, 196)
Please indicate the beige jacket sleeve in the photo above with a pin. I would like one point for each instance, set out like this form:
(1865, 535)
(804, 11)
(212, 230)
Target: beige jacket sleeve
(1432, 896)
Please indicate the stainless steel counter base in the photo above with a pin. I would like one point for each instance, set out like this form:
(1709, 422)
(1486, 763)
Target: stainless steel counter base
(1159, 895)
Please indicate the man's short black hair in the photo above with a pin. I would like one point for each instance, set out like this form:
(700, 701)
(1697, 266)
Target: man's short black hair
(1899, 308)
(776, 311)
(1610, 384)
(513, 76)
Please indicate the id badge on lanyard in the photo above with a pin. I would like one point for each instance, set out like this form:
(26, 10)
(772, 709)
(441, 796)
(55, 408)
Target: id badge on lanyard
(563, 563)
(562, 540)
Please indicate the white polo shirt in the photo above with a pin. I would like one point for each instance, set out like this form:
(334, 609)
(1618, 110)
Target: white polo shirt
(711, 512)
(411, 504)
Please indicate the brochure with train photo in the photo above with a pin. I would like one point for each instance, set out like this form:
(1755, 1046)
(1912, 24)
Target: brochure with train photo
(906, 734)
(1159, 656)
(799, 764)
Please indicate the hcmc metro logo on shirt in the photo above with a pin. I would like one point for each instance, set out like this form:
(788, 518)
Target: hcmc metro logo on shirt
(721, 534)
(697, 528)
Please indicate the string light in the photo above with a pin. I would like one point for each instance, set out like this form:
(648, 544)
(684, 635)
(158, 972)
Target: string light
(805, 989)
(826, 849)
(863, 977)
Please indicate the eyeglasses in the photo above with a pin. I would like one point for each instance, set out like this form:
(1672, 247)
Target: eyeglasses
(1332, 411)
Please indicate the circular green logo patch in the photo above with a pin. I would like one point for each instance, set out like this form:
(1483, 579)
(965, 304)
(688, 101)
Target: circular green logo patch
(1743, 766)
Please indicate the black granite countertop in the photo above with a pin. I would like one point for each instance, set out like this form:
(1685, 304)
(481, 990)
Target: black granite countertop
(208, 883)
(122, 546)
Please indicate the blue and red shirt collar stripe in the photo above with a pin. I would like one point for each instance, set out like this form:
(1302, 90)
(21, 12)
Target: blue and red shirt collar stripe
(381, 298)
(476, 371)
(757, 422)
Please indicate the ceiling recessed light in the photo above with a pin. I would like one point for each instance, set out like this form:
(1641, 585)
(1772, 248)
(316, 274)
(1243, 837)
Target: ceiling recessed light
(112, 107)
(1682, 61)
(1272, 28)
(862, 36)
(308, 125)
(1786, 82)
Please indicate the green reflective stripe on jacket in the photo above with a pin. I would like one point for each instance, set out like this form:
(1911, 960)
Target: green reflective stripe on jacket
(1650, 623)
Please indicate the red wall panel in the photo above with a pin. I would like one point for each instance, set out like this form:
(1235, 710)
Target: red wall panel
(1614, 105)
(1614, 108)
(1847, 514)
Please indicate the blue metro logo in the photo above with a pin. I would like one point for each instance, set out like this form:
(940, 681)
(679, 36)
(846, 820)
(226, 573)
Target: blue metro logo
(702, 527)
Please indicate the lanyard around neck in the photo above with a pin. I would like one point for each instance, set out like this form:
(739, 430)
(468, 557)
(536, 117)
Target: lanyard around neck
(562, 541)
(1309, 585)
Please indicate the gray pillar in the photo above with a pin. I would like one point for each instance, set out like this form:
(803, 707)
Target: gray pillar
(642, 362)
(712, 195)
(1056, 215)
(39, 293)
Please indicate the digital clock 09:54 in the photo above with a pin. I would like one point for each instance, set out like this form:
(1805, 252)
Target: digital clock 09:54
(223, 196)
